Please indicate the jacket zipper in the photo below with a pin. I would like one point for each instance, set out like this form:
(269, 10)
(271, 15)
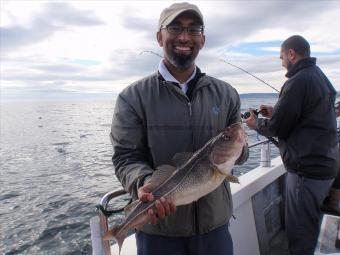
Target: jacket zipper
(190, 110)
(195, 204)
(195, 216)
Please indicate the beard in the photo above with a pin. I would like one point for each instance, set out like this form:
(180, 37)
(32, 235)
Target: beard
(289, 66)
(181, 61)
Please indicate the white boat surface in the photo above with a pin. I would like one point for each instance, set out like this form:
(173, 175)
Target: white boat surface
(257, 225)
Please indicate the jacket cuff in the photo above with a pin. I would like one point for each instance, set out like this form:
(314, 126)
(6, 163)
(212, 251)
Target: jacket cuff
(141, 181)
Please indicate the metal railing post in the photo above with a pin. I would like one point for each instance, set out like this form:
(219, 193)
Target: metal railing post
(99, 225)
(265, 155)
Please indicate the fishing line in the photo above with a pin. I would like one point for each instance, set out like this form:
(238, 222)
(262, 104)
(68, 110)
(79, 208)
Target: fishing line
(256, 112)
(249, 74)
(150, 51)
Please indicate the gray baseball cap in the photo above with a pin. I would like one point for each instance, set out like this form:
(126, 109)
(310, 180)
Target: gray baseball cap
(170, 13)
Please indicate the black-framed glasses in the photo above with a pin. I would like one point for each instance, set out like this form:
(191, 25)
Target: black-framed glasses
(192, 30)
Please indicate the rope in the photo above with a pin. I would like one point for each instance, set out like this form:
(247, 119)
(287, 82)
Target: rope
(108, 213)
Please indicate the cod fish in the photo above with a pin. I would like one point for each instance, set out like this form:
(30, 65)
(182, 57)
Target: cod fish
(194, 176)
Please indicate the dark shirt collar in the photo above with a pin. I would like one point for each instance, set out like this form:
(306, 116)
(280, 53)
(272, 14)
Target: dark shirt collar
(301, 64)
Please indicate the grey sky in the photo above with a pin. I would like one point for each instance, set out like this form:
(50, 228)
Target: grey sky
(94, 46)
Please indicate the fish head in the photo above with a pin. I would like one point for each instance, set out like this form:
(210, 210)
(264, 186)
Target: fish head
(227, 147)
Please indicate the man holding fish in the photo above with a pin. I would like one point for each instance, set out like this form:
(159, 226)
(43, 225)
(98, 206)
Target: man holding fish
(176, 135)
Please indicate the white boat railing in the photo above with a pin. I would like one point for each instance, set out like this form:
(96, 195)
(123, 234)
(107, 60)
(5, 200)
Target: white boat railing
(242, 227)
(99, 224)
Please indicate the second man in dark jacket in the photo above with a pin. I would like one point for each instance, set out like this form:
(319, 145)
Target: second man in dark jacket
(304, 121)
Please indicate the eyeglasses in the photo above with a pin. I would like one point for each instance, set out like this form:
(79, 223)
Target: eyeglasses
(192, 30)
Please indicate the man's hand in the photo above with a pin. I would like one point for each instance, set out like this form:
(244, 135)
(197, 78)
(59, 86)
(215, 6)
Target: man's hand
(251, 121)
(163, 206)
(337, 112)
(266, 111)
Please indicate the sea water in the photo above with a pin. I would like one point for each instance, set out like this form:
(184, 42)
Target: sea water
(55, 159)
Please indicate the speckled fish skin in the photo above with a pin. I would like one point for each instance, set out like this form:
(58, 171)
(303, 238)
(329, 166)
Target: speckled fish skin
(202, 173)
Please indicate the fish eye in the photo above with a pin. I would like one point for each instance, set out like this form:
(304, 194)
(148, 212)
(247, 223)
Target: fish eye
(225, 137)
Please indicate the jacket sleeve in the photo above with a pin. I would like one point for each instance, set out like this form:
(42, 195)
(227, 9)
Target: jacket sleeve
(129, 141)
(286, 113)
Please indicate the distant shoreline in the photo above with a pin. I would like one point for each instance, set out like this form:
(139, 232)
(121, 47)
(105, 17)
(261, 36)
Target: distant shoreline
(107, 96)
(259, 95)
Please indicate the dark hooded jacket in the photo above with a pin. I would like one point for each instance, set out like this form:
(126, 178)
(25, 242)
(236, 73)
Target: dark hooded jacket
(304, 121)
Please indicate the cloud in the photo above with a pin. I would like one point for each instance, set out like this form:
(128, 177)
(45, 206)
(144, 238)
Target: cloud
(126, 62)
(123, 64)
(138, 23)
(61, 68)
(54, 17)
(246, 18)
(93, 47)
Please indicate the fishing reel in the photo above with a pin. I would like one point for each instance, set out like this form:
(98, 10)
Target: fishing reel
(246, 115)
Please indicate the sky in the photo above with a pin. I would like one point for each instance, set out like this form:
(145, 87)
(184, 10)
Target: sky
(93, 49)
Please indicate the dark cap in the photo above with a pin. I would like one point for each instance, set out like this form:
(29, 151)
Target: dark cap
(169, 14)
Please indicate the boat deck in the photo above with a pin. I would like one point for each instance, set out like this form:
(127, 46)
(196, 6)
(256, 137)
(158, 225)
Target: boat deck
(326, 241)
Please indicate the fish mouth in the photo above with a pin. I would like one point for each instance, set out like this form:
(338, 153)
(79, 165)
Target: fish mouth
(235, 132)
(228, 144)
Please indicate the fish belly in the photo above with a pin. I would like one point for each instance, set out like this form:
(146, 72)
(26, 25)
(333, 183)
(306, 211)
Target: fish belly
(189, 191)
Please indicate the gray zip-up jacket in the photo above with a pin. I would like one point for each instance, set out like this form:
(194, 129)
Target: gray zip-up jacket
(153, 120)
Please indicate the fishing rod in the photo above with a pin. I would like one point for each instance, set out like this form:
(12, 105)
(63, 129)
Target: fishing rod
(249, 74)
(150, 51)
(246, 115)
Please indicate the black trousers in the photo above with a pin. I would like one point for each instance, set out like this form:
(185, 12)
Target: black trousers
(304, 197)
(336, 184)
(216, 242)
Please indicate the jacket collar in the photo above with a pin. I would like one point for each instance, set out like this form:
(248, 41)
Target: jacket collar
(198, 75)
(197, 82)
(301, 64)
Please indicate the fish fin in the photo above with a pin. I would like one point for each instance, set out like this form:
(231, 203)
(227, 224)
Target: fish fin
(130, 207)
(228, 177)
(162, 173)
(181, 158)
(232, 178)
(118, 234)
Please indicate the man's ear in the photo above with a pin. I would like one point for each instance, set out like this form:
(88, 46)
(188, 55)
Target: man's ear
(291, 55)
(159, 38)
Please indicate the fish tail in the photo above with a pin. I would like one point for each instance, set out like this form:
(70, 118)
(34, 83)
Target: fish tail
(118, 234)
